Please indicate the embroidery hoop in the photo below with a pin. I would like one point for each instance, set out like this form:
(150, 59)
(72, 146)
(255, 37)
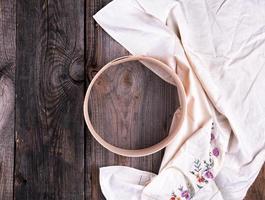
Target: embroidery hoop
(156, 147)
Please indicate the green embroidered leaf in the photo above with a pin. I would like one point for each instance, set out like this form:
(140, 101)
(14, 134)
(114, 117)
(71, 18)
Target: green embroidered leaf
(199, 186)
(198, 166)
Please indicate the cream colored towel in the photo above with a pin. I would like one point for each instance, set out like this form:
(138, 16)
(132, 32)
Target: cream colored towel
(218, 50)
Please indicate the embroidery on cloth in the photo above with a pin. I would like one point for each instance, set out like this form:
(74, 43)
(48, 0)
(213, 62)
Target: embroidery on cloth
(202, 170)
(182, 194)
(215, 150)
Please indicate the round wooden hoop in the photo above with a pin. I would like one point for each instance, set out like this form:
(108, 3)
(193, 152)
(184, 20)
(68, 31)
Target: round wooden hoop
(152, 149)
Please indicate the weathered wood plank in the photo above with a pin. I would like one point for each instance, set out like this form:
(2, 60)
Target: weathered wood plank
(130, 106)
(49, 90)
(49, 125)
(7, 95)
(257, 190)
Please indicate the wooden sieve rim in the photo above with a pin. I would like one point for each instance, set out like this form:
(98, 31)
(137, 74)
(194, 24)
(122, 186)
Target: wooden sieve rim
(154, 148)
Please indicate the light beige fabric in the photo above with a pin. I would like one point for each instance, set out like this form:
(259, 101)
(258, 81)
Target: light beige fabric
(217, 48)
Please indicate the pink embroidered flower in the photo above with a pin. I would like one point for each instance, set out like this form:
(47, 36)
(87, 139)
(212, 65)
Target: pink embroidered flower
(185, 194)
(208, 175)
(174, 197)
(216, 152)
(200, 179)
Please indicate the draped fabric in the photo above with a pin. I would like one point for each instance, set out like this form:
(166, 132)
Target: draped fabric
(218, 50)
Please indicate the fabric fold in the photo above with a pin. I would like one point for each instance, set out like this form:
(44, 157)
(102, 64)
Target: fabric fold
(222, 79)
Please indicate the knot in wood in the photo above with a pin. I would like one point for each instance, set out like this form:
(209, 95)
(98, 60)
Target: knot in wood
(76, 70)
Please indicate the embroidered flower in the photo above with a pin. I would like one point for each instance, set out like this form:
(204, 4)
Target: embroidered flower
(216, 152)
(208, 174)
(202, 172)
(174, 197)
(200, 178)
(185, 194)
(182, 194)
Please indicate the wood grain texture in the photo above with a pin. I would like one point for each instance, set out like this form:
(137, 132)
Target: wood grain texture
(257, 190)
(7, 95)
(49, 90)
(130, 106)
(133, 106)
(42, 132)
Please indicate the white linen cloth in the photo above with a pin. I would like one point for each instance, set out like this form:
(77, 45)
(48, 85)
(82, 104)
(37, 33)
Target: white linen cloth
(218, 50)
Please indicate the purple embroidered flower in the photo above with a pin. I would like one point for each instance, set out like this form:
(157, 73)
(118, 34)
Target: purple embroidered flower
(208, 175)
(216, 152)
(185, 194)
(212, 137)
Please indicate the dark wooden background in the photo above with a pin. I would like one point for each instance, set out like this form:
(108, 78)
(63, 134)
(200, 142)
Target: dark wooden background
(49, 51)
